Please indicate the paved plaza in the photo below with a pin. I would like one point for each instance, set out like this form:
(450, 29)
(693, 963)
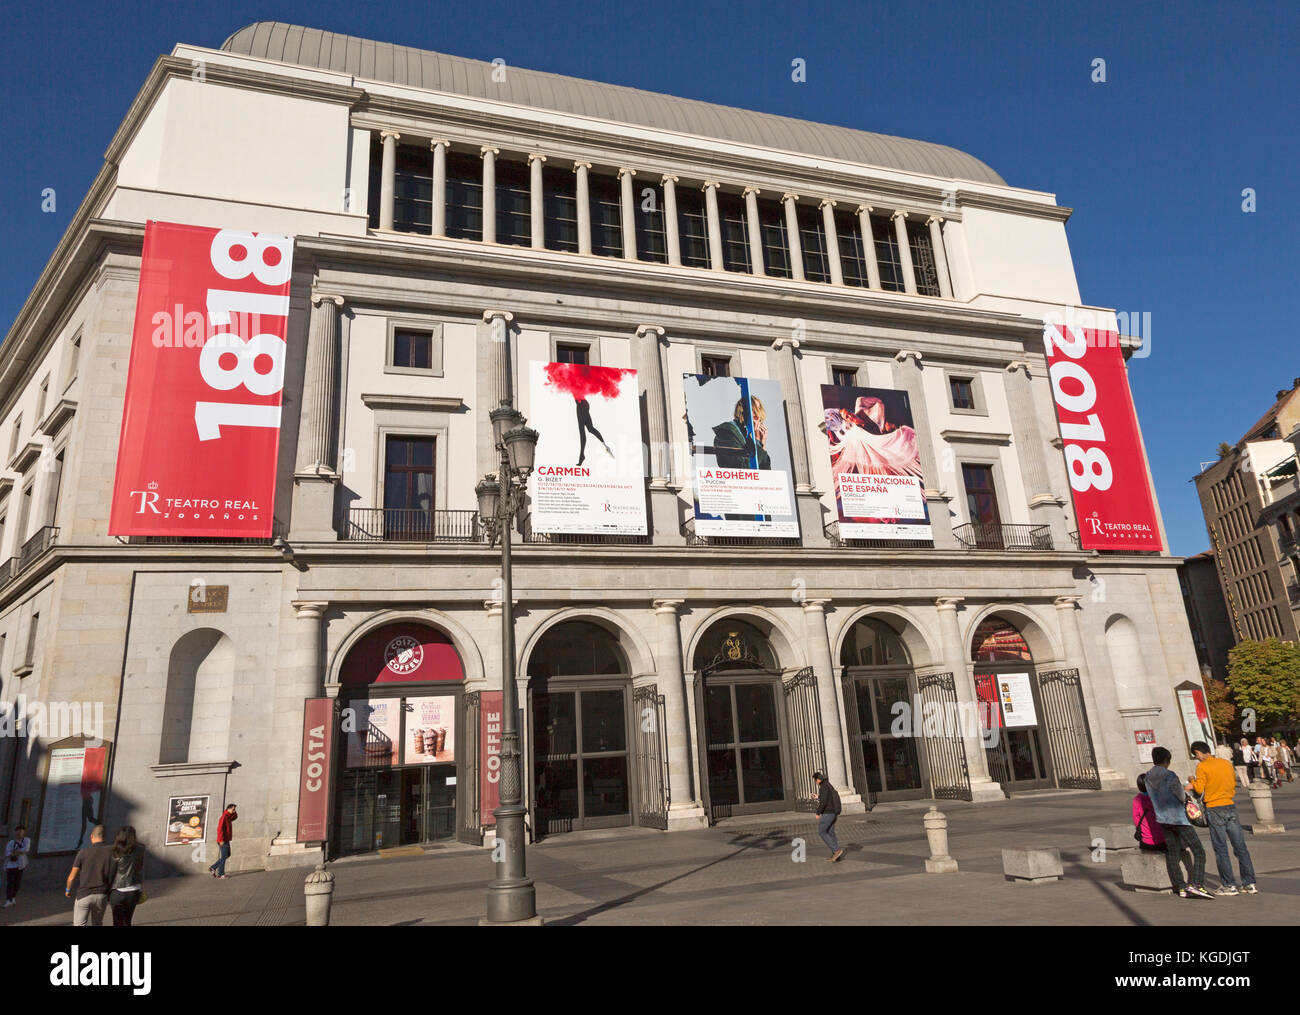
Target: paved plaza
(744, 873)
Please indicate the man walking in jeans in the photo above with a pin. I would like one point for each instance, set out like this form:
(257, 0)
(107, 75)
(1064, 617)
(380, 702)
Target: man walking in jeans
(225, 832)
(1170, 804)
(1215, 783)
(828, 812)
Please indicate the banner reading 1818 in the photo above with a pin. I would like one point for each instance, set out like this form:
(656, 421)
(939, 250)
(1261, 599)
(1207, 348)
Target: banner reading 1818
(201, 423)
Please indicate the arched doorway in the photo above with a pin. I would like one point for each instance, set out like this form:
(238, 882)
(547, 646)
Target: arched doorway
(579, 685)
(880, 692)
(400, 748)
(1006, 684)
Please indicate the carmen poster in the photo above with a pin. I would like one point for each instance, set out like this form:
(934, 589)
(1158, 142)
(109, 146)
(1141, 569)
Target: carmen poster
(875, 463)
(741, 451)
(589, 476)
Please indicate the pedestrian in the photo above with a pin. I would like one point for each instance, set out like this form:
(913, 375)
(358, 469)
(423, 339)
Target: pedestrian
(16, 851)
(128, 876)
(1288, 760)
(1215, 783)
(1170, 803)
(1151, 838)
(92, 868)
(1272, 760)
(1251, 758)
(1239, 761)
(225, 832)
(828, 812)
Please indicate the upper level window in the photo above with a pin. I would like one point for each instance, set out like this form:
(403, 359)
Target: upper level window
(651, 244)
(408, 486)
(923, 264)
(853, 261)
(812, 237)
(692, 228)
(776, 249)
(514, 221)
(412, 349)
(412, 187)
(963, 392)
(560, 209)
(41, 398)
(735, 233)
(606, 216)
(887, 257)
(74, 357)
(844, 377)
(565, 353)
(715, 366)
(17, 433)
(464, 196)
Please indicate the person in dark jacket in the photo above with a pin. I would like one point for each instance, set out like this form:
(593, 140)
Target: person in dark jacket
(128, 876)
(828, 812)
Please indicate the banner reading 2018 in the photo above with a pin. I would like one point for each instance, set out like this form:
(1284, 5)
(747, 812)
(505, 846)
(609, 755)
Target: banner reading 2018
(1099, 434)
(201, 423)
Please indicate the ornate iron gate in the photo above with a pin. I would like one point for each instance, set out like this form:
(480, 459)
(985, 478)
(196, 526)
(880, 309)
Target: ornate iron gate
(807, 748)
(470, 828)
(651, 757)
(1073, 761)
(945, 754)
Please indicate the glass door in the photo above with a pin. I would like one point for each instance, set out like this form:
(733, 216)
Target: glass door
(745, 763)
(581, 773)
(982, 505)
(890, 761)
(1016, 760)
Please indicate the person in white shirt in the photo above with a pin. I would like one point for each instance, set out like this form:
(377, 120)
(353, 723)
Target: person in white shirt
(16, 850)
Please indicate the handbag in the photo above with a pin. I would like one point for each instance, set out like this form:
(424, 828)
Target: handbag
(1196, 812)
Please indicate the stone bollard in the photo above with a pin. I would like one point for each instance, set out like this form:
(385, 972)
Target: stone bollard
(1261, 797)
(936, 830)
(319, 888)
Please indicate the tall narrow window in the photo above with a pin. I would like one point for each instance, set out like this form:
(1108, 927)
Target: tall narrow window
(41, 398)
(982, 504)
(651, 244)
(412, 348)
(513, 204)
(24, 513)
(606, 216)
(735, 233)
(887, 257)
(963, 392)
(408, 487)
(853, 261)
(464, 196)
(560, 208)
(53, 484)
(692, 227)
(74, 357)
(32, 630)
(776, 248)
(17, 432)
(923, 264)
(812, 237)
(413, 191)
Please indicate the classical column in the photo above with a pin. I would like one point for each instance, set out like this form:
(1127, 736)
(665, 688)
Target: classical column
(583, 200)
(387, 178)
(498, 322)
(311, 672)
(828, 702)
(627, 212)
(832, 241)
(869, 246)
(536, 207)
(808, 504)
(671, 238)
(317, 425)
(904, 251)
(955, 659)
(792, 235)
(935, 222)
(1045, 507)
(489, 192)
(439, 195)
(684, 811)
(907, 375)
(714, 224)
(1067, 613)
(665, 517)
(755, 230)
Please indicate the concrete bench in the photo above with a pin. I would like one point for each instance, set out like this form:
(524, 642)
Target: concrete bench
(1117, 837)
(1146, 872)
(1035, 866)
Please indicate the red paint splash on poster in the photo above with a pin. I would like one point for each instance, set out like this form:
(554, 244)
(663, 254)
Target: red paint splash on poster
(582, 381)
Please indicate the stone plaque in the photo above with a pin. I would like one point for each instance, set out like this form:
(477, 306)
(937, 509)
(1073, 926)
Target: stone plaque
(207, 599)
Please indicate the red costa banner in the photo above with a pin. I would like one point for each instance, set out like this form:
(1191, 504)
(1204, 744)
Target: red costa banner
(1102, 448)
(201, 423)
(314, 782)
(489, 762)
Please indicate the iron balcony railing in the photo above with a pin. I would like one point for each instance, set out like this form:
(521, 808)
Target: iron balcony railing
(832, 530)
(985, 536)
(694, 539)
(411, 525)
(587, 538)
(40, 541)
(8, 571)
(278, 531)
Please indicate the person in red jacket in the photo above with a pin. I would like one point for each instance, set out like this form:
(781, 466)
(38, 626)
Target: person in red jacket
(225, 832)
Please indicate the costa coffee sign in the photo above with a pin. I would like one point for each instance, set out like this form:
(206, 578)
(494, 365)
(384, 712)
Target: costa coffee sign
(314, 779)
(201, 423)
(490, 714)
(1100, 440)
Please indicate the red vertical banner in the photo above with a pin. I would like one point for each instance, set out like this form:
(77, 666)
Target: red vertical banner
(314, 777)
(201, 421)
(491, 713)
(1100, 440)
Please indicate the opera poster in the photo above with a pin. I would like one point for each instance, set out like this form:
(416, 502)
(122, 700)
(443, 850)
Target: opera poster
(875, 463)
(588, 476)
(740, 450)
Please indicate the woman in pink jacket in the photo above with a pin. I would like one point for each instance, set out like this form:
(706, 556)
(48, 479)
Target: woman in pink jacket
(1144, 819)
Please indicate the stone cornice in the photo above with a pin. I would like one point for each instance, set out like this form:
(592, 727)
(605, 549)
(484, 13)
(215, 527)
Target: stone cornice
(423, 403)
(999, 202)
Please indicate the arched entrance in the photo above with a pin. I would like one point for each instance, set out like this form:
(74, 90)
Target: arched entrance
(880, 693)
(579, 685)
(400, 748)
(1007, 686)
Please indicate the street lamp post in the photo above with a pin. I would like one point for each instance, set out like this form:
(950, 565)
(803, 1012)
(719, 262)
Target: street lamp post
(511, 897)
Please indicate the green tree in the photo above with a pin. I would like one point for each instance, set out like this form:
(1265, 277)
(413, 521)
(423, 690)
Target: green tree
(1265, 676)
(1223, 713)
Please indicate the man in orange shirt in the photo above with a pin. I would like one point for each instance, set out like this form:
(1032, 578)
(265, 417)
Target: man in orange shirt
(1216, 782)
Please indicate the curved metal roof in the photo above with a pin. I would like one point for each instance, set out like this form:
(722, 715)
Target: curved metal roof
(422, 68)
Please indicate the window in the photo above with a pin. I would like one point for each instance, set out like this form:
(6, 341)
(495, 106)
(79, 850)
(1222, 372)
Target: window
(13, 438)
(412, 188)
(923, 264)
(24, 512)
(966, 393)
(412, 349)
(4, 520)
(982, 500)
(887, 256)
(560, 209)
(55, 484)
(692, 228)
(579, 354)
(735, 233)
(74, 357)
(606, 216)
(812, 237)
(464, 196)
(41, 398)
(844, 377)
(651, 244)
(513, 204)
(715, 366)
(963, 392)
(30, 658)
(853, 261)
(776, 249)
(408, 486)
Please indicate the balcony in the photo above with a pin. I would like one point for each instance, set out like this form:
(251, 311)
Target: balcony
(983, 536)
(854, 543)
(694, 539)
(40, 541)
(411, 525)
(1292, 592)
(278, 531)
(587, 538)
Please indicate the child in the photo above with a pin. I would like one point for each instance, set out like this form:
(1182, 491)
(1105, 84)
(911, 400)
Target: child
(1144, 818)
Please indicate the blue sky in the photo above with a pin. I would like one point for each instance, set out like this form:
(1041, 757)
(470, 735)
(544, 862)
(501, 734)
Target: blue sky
(1201, 101)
